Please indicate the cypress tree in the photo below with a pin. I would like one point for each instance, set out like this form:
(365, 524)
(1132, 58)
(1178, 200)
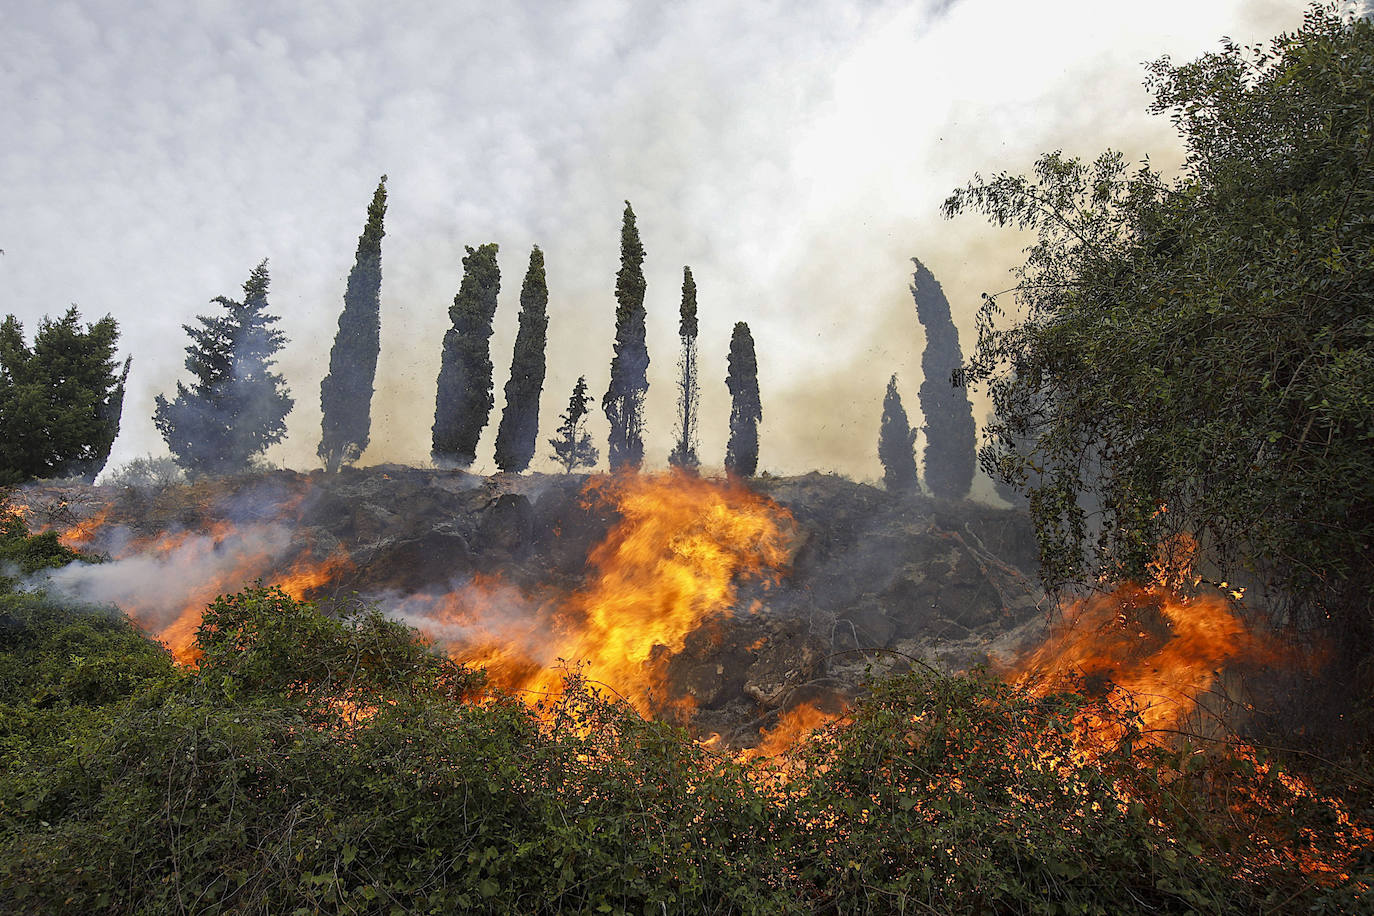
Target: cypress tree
(742, 378)
(515, 438)
(623, 402)
(60, 401)
(897, 443)
(237, 405)
(684, 454)
(463, 402)
(346, 392)
(949, 428)
(572, 447)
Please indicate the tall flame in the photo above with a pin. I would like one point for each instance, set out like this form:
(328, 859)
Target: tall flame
(670, 563)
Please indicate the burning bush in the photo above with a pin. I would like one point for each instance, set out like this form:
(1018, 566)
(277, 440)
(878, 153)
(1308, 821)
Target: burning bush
(331, 761)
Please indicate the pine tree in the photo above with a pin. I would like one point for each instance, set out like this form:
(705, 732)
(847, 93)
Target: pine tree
(623, 402)
(949, 428)
(515, 438)
(346, 392)
(464, 400)
(896, 444)
(573, 447)
(237, 405)
(742, 378)
(60, 401)
(684, 454)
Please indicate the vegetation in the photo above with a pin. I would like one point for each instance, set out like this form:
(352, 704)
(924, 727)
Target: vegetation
(324, 760)
(623, 402)
(951, 436)
(237, 405)
(346, 392)
(684, 453)
(463, 402)
(897, 444)
(60, 400)
(742, 378)
(519, 430)
(1196, 355)
(573, 447)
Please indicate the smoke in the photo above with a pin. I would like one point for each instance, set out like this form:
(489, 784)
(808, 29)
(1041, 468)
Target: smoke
(793, 154)
(186, 571)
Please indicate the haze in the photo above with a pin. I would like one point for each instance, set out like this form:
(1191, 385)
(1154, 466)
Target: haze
(794, 154)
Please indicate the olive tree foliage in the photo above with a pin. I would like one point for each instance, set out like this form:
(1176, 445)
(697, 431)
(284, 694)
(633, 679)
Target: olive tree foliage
(1196, 355)
(346, 392)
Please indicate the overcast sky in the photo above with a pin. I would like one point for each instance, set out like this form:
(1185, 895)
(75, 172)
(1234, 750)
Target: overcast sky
(793, 153)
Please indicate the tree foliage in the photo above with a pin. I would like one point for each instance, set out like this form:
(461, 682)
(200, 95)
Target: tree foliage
(60, 400)
(951, 437)
(623, 402)
(684, 453)
(464, 400)
(237, 405)
(897, 444)
(1196, 355)
(519, 429)
(346, 392)
(572, 447)
(742, 379)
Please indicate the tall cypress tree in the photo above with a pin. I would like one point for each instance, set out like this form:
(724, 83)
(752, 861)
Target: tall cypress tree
(60, 401)
(950, 431)
(742, 378)
(515, 438)
(623, 402)
(237, 406)
(346, 392)
(897, 443)
(684, 454)
(463, 402)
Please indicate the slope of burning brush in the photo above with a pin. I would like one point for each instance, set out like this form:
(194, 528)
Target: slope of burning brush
(670, 562)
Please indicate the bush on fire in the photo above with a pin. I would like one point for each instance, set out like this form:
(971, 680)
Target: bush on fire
(328, 761)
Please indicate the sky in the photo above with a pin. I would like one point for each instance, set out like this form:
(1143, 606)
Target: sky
(794, 153)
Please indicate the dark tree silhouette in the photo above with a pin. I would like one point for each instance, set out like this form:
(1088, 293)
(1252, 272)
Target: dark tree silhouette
(742, 378)
(346, 392)
(237, 405)
(897, 444)
(60, 401)
(573, 447)
(950, 431)
(623, 402)
(684, 454)
(463, 402)
(515, 438)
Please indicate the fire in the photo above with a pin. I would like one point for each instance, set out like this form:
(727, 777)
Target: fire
(792, 727)
(1149, 650)
(668, 565)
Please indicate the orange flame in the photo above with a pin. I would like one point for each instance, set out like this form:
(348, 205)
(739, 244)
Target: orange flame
(667, 566)
(1146, 649)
